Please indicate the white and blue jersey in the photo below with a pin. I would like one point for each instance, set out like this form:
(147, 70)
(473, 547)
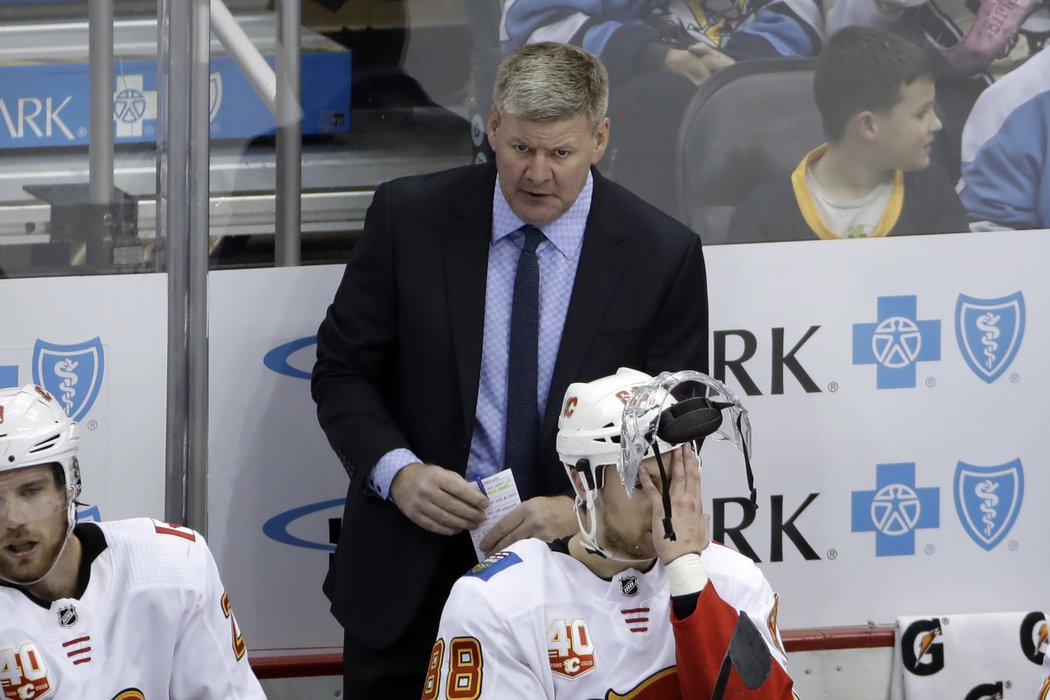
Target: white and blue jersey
(1006, 151)
(740, 28)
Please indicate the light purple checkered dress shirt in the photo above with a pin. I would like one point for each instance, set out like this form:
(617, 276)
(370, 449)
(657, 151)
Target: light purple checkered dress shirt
(558, 257)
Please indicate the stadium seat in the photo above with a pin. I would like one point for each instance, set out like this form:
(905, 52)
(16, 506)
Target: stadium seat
(750, 122)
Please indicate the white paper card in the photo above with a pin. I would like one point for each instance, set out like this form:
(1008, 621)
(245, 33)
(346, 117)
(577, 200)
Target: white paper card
(503, 496)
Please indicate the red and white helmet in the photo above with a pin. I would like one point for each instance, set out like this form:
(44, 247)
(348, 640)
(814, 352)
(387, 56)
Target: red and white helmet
(34, 431)
(589, 428)
(591, 414)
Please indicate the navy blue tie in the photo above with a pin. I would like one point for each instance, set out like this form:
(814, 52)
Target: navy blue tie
(523, 418)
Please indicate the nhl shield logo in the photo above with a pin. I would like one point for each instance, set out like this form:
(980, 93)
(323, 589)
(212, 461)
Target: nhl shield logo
(988, 500)
(989, 332)
(67, 616)
(629, 586)
(72, 373)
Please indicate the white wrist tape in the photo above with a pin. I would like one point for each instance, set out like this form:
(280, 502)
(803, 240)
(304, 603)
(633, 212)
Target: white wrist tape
(686, 574)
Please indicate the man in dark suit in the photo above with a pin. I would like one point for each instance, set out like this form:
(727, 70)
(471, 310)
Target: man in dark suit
(420, 357)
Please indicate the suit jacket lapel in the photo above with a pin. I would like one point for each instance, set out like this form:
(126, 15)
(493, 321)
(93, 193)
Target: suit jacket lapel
(602, 261)
(465, 243)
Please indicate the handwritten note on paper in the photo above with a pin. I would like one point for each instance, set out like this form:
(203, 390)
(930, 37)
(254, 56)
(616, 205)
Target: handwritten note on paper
(503, 497)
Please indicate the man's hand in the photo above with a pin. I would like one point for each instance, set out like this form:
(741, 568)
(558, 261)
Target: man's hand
(698, 63)
(544, 517)
(437, 499)
(713, 59)
(692, 527)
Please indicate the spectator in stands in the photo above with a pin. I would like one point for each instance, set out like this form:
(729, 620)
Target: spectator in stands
(638, 603)
(635, 37)
(657, 52)
(873, 177)
(434, 363)
(1006, 151)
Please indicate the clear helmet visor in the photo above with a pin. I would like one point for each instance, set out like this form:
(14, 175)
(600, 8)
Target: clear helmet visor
(645, 419)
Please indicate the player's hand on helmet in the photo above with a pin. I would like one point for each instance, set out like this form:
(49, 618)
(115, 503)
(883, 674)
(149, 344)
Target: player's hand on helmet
(437, 499)
(691, 525)
(698, 63)
(544, 517)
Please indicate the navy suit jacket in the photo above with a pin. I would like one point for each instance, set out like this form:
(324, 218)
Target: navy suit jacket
(399, 357)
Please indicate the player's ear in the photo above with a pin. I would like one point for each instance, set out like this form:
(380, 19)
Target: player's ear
(493, 124)
(601, 140)
(865, 125)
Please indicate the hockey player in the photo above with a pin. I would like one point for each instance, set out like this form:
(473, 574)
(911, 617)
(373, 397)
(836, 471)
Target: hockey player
(639, 603)
(130, 609)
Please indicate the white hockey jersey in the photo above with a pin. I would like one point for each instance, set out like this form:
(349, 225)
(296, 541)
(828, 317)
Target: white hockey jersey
(532, 623)
(152, 623)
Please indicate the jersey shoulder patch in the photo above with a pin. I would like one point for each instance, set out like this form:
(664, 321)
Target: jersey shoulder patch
(495, 563)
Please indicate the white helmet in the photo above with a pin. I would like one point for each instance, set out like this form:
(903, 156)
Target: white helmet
(589, 424)
(589, 428)
(34, 431)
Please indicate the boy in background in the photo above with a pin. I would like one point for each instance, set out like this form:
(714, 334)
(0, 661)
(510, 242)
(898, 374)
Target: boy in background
(875, 92)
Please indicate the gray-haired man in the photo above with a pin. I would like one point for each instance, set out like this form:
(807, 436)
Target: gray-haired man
(463, 307)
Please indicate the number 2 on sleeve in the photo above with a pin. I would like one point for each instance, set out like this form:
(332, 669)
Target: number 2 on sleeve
(238, 641)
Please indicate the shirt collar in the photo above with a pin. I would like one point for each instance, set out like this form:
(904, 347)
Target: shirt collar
(565, 232)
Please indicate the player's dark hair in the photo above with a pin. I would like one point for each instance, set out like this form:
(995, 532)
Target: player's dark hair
(863, 69)
(59, 474)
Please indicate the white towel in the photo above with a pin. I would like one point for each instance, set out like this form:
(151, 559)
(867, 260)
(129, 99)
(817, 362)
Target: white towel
(969, 657)
(1044, 689)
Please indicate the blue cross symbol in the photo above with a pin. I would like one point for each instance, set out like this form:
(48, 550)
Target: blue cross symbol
(8, 376)
(896, 342)
(895, 509)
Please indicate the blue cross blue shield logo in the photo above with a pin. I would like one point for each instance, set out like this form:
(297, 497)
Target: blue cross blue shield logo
(129, 105)
(72, 373)
(989, 332)
(896, 342)
(895, 509)
(988, 500)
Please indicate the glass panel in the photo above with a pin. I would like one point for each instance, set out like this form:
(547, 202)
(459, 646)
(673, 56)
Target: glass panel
(385, 86)
(49, 224)
(677, 139)
(397, 87)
